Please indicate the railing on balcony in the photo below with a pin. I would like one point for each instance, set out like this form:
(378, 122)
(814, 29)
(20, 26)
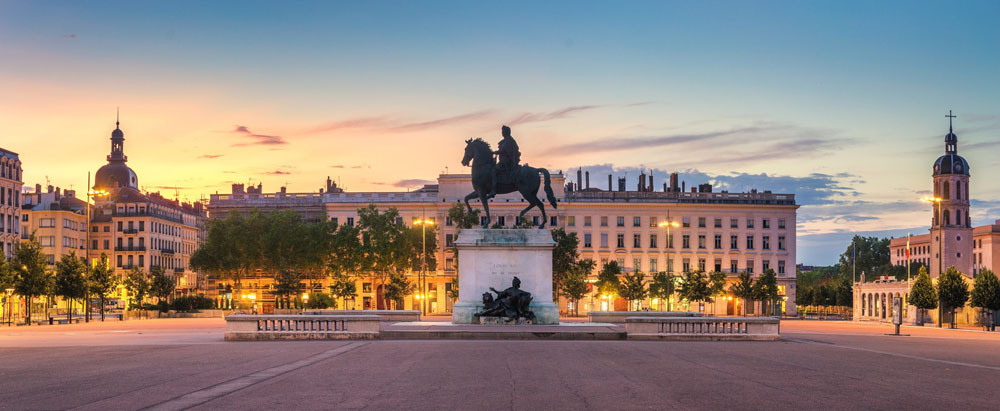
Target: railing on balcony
(131, 231)
(166, 251)
(131, 248)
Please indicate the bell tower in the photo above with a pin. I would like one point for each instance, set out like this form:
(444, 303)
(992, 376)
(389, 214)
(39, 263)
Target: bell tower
(951, 225)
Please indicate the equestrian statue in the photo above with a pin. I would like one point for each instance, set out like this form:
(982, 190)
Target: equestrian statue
(490, 178)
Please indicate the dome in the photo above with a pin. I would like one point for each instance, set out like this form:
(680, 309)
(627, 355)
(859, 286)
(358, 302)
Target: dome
(951, 164)
(114, 175)
(117, 134)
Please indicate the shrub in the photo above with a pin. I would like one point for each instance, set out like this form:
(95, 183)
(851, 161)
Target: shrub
(192, 303)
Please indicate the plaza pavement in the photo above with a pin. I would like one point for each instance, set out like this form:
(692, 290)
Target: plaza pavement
(182, 363)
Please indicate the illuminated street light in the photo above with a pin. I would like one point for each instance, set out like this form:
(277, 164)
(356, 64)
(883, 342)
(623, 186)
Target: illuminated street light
(423, 222)
(936, 201)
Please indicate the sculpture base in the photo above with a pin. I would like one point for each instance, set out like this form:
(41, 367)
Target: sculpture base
(465, 313)
(504, 321)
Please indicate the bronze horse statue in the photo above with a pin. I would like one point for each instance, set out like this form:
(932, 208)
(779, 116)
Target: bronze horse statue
(526, 180)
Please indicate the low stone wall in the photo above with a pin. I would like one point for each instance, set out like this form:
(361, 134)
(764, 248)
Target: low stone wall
(390, 316)
(242, 327)
(620, 316)
(703, 328)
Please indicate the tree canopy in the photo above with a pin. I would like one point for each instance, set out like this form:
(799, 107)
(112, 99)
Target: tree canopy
(986, 291)
(633, 288)
(662, 287)
(923, 295)
(607, 280)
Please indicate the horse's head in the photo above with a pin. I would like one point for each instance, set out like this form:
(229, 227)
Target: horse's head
(469, 152)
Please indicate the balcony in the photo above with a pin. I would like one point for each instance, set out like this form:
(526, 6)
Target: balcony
(179, 270)
(169, 251)
(130, 231)
(131, 248)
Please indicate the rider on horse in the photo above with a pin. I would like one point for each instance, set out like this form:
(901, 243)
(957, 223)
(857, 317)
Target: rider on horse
(510, 159)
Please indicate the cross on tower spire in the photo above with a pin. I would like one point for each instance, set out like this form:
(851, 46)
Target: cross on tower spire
(950, 116)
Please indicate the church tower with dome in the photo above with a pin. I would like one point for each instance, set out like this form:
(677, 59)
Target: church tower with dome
(951, 222)
(116, 174)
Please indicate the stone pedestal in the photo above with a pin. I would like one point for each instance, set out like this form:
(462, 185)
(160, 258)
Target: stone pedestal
(492, 258)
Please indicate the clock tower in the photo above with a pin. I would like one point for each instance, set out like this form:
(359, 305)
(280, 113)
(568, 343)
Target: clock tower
(951, 225)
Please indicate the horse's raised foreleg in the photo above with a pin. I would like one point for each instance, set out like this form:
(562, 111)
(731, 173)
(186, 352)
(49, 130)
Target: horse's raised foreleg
(474, 194)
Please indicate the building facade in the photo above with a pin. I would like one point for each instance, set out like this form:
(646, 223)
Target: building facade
(58, 220)
(10, 202)
(951, 241)
(142, 230)
(728, 232)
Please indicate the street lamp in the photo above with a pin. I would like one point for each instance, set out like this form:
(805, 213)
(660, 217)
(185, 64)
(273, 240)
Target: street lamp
(90, 192)
(668, 223)
(10, 306)
(936, 202)
(305, 299)
(423, 222)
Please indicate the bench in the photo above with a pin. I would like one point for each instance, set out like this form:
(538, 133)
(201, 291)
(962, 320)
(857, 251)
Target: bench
(703, 328)
(243, 327)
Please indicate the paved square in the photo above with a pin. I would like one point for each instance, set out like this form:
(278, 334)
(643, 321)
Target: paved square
(177, 364)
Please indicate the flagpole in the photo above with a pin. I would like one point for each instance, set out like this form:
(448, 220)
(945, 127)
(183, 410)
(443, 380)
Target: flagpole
(907, 259)
(854, 259)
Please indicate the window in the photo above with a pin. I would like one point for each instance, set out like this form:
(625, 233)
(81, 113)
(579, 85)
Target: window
(350, 222)
(119, 260)
(701, 222)
(483, 220)
(781, 266)
(718, 241)
(749, 223)
(733, 242)
(47, 241)
(621, 221)
(781, 223)
(107, 244)
(93, 244)
(670, 265)
(636, 241)
(604, 221)
(670, 241)
(652, 241)
(733, 223)
(701, 241)
(535, 220)
(652, 265)
(718, 223)
(449, 240)
(449, 265)
(604, 240)
(93, 229)
(765, 223)
(107, 229)
(119, 226)
(142, 227)
(586, 240)
(366, 287)
(733, 266)
(571, 221)
(621, 240)
(635, 222)
(586, 221)
(781, 242)
(718, 264)
(50, 259)
(502, 221)
(686, 265)
(621, 262)
(652, 222)
(686, 222)
(604, 261)
(141, 260)
(553, 221)
(701, 264)
(686, 241)
(637, 264)
(765, 242)
(750, 266)
(765, 265)
(46, 222)
(750, 242)
(447, 221)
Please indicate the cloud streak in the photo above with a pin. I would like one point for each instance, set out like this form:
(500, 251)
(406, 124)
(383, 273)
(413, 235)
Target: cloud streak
(258, 139)
(210, 156)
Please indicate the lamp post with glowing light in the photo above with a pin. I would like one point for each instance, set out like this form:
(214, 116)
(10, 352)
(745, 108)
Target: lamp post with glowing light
(10, 306)
(936, 202)
(668, 224)
(94, 192)
(423, 222)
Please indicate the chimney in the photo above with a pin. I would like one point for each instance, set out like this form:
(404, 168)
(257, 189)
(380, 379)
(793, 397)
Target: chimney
(283, 189)
(621, 183)
(50, 188)
(70, 193)
(588, 180)
(683, 185)
(610, 187)
(58, 193)
(673, 183)
(642, 182)
(650, 189)
(579, 178)
(665, 187)
(38, 188)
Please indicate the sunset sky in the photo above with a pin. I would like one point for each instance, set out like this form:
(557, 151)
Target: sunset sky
(840, 103)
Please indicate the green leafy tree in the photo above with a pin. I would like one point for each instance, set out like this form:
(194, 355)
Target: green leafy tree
(845, 294)
(232, 248)
(343, 287)
(608, 283)
(287, 285)
(320, 301)
(717, 285)
(923, 295)
(872, 256)
(633, 288)
(766, 290)
(136, 282)
(462, 218)
(102, 281)
(70, 281)
(574, 284)
(695, 287)
(32, 278)
(821, 296)
(161, 286)
(564, 257)
(453, 293)
(744, 289)
(662, 287)
(386, 249)
(397, 289)
(804, 296)
(953, 291)
(986, 293)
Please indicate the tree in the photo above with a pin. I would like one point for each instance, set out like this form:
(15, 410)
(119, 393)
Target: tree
(953, 291)
(662, 287)
(137, 284)
(695, 287)
(871, 256)
(343, 287)
(232, 248)
(844, 293)
(287, 284)
(633, 288)
(574, 284)
(398, 288)
(607, 280)
(766, 290)
(320, 301)
(716, 285)
(744, 289)
(385, 247)
(804, 296)
(32, 278)
(986, 293)
(462, 218)
(161, 286)
(102, 281)
(70, 282)
(923, 295)
(564, 257)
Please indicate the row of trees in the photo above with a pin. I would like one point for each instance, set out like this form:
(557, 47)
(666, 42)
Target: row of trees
(952, 292)
(28, 274)
(294, 251)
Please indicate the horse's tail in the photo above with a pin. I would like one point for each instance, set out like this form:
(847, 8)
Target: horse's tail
(548, 188)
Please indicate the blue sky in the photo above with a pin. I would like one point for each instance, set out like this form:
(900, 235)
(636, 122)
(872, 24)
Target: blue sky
(842, 103)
